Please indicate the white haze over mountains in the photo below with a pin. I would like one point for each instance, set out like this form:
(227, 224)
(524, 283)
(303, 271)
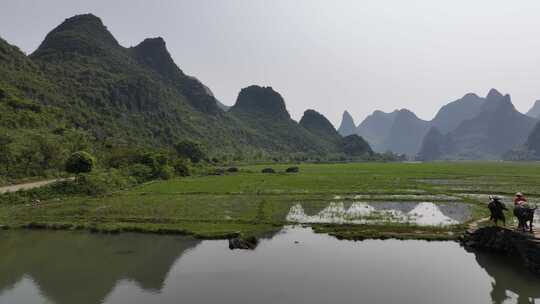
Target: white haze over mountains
(330, 56)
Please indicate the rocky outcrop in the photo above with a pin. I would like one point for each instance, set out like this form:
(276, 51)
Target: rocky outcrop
(354, 145)
(406, 134)
(263, 101)
(375, 128)
(249, 243)
(400, 131)
(505, 241)
(347, 126)
(533, 142)
(534, 112)
(153, 53)
(319, 125)
(496, 129)
(450, 116)
(81, 35)
(263, 110)
(434, 146)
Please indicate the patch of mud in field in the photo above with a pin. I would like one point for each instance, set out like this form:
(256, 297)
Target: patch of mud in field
(422, 214)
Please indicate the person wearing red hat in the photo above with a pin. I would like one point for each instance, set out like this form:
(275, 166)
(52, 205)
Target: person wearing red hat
(520, 200)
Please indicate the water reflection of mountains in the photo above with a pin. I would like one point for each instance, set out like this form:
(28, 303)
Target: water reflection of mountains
(72, 267)
(357, 212)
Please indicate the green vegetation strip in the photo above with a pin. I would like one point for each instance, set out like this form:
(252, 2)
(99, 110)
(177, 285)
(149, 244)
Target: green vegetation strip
(252, 203)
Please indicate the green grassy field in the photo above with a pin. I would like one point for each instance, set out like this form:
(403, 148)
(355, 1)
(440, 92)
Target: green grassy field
(250, 202)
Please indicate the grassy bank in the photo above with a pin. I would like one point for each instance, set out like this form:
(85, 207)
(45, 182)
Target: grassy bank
(253, 203)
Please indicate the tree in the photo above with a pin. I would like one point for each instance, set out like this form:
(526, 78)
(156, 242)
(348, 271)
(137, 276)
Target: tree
(29, 158)
(51, 153)
(76, 140)
(80, 162)
(190, 150)
(6, 152)
(182, 168)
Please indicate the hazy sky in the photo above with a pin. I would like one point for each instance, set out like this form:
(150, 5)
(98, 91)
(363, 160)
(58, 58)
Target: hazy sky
(326, 55)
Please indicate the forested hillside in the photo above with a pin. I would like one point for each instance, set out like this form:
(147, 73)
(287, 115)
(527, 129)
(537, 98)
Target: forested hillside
(82, 90)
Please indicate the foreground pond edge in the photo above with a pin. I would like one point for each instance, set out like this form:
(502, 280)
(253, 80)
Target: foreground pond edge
(503, 241)
(352, 232)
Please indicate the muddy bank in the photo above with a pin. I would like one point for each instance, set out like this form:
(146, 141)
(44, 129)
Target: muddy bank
(515, 245)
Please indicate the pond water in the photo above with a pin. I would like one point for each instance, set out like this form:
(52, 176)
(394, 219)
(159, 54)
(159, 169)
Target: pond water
(293, 266)
(422, 214)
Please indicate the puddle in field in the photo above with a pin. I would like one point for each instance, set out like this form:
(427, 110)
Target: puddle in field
(422, 214)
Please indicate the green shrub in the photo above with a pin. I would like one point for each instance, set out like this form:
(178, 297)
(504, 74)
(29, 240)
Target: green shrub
(166, 172)
(119, 157)
(93, 184)
(80, 162)
(141, 172)
(182, 168)
(190, 150)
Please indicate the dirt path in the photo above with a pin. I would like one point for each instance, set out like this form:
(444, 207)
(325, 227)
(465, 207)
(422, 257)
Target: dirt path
(31, 185)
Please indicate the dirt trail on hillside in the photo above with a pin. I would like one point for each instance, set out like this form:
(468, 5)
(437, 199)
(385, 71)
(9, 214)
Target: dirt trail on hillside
(31, 185)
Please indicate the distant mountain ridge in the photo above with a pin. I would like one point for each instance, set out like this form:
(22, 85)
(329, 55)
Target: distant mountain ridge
(497, 128)
(81, 78)
(375, 128)
(534, 112)
(347, 126)
(452, 114)
(471, 127)
(406, 133)
(320, 126)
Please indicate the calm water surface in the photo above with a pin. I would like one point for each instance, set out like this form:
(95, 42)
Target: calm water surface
(75, 267)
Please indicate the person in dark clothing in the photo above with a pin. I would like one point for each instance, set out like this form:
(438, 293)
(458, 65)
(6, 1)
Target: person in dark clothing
(496, 208)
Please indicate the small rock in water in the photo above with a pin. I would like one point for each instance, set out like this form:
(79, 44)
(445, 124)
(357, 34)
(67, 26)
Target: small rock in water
(248, 243)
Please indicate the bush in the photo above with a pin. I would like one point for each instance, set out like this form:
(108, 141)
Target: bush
(217, 171)
(182, 168)
(80, 162)
(141, 172)
(165, 172)
(232, 170)
(190, 150)
(118, 157)
(268, 170)
(292, 170)
(94, 184)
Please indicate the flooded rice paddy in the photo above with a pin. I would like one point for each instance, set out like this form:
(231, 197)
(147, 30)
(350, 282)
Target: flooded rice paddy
(293, 266)
(422, 213)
